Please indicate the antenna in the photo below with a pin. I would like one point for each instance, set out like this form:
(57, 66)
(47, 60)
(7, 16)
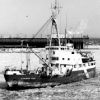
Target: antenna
(55, 12)
(66, 26)
(55, 4)
(55, 9)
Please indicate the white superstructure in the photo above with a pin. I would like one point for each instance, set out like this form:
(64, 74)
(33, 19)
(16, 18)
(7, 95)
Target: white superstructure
(64, 59)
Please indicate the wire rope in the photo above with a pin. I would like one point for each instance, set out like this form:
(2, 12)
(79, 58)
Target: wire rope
(18, 61)
(46, 24)
(13, 61)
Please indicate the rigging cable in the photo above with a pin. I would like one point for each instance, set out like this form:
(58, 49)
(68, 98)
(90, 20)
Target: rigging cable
(12, 61)
(38, 57)
(46, 24)
(17, 60)
(6, 59)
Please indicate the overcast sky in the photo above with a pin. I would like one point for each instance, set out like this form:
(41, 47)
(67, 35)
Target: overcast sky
(28, 16)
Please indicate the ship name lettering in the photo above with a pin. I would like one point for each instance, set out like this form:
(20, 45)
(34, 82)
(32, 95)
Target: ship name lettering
(27, 78)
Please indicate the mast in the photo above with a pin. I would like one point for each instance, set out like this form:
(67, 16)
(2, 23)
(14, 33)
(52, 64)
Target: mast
(55, 12)
(27, 58)
(66, 26)
(21, 53)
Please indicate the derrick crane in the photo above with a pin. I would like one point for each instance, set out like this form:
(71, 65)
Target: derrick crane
(53, 19)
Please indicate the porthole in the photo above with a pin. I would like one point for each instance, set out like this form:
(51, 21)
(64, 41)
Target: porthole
(91, 63)
(62, 58)
(68, 58)
(64, 65)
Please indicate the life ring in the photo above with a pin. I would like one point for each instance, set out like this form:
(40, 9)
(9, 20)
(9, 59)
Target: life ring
(38, 71)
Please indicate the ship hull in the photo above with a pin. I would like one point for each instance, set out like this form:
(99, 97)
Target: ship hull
(33, 80)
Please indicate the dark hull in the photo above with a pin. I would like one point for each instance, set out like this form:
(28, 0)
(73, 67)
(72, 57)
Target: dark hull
(34, 80)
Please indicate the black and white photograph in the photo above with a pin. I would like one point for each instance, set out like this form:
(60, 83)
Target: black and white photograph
(49, 49)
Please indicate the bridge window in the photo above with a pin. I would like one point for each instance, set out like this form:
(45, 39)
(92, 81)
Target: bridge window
(54, 58)
(62, 48)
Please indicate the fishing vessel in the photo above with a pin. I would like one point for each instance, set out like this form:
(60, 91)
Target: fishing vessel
(61, 63)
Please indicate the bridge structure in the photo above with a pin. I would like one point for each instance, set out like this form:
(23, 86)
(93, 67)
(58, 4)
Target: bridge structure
(42, 42)
(37, 42)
